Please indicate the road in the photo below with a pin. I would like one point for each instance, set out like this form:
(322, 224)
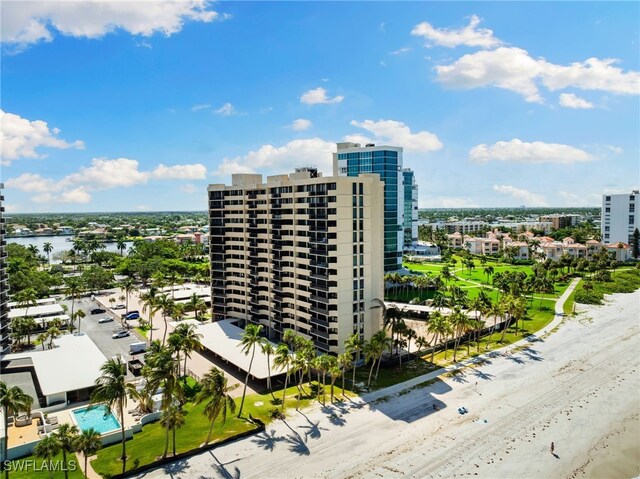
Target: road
(576, 387)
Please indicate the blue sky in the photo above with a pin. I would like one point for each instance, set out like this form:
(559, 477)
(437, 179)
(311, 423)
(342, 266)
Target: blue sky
(123, 106)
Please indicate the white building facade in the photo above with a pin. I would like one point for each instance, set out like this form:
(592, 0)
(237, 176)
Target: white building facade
(619, 217)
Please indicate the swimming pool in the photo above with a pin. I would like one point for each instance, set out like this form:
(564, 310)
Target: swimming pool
(100, 418)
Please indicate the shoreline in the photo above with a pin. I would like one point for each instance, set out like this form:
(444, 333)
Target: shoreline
(577, 387)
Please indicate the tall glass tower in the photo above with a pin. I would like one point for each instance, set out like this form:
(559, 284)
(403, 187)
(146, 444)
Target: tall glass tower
(410, 207)
(352, 159)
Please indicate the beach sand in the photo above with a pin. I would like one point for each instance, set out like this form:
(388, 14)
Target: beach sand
(577, 387)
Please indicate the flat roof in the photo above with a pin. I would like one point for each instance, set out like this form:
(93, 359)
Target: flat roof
(13, 304)
(224, 338)
(42, 310)
(73, 364)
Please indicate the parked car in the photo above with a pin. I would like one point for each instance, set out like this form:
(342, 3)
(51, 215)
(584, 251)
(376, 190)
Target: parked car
(119, 306)
(106, 319)
(98, 311)
(132, 315)
(121, 334)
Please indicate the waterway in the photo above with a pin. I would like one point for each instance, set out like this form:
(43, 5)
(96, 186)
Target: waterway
(59, 243)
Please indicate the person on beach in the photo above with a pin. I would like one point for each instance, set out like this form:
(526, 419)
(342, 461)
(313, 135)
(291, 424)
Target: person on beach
(552, 447)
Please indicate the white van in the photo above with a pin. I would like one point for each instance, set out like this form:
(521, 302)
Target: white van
(138, 347)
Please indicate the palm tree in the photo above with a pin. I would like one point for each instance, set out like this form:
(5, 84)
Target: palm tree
(67, 437)
(26, 298)
(53, 333)
(13, 400)
(173, 419)
(162, 371)
(268, 350)
(190, 340)
(354, 345)
(79, 315)
(250, 339)
(334, 373)
(48, 248)
(113, 389)
(121, 245)
(282, 359)
(42, 339)
(214, 390)
(88, 443)
(421, 343)
(150, 304)
(196, 304)
(345, 361)
(166, 304)
(48, 448)
(74, 288)
(128, 286)
(488, 271)
(173, 278)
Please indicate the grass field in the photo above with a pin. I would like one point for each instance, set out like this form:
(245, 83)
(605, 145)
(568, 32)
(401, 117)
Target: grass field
(148, 445)
(36, 469)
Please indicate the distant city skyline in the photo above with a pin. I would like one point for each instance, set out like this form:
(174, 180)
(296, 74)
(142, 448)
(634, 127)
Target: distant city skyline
(124, 107)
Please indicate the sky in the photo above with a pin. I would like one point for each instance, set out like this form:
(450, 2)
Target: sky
(138, 106)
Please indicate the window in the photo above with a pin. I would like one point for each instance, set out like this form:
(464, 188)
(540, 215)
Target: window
(632, 208)
(607, 210)
(607, 198)
(631, 219)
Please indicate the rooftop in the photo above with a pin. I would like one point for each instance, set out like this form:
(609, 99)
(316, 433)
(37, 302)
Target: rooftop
(73, 364)
(42, 310)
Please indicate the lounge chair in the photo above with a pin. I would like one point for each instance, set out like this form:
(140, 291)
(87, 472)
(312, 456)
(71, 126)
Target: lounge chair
(52, 419)
(55, 426)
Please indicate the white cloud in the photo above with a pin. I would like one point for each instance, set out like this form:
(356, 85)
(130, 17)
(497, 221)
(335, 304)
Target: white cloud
(300, 124)
(195, 171)
(102, 174)
(518, 151)
(142, 208)
(509, 68)
(592, 74)
(25, 23)
(469, 35)
(514, 69)
(21, 138)
(400, 51)
(398, 133)
(201, 106)
(30, 182)
(319, 96)
(189, 188)
(226, 110)
(522, 195)
(279, 160)
(570, 100)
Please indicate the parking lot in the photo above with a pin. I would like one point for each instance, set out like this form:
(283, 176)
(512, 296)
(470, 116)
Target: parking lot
(101, 333)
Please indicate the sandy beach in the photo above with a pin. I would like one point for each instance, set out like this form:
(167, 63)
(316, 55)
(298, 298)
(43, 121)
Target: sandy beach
(576, 387)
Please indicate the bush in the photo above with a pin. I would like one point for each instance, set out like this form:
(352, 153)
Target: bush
(588, 297)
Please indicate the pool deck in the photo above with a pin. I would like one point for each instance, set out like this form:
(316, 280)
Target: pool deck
(19, 435)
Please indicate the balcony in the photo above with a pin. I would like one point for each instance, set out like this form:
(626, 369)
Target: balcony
(321, 334)
(319, 310)
(319, 276)
(321, 322)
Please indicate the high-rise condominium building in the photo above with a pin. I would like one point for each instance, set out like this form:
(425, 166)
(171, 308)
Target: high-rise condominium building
(352, 159)
(5, 339)
(619, 217)
(410, 207)
(300, 252)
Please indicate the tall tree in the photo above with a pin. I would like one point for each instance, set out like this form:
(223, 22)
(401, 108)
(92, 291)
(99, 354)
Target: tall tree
(88, 443)
(48, 248)
(48, 448)
(283, 360)
(113, 389)
(250, 339)
(354, 345)
(172, 419)
(67, 437)
(215, 393)
(13, 401)
(268, 350)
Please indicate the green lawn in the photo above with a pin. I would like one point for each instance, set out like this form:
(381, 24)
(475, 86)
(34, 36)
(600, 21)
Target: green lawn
(35, 471)
(148, 445)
